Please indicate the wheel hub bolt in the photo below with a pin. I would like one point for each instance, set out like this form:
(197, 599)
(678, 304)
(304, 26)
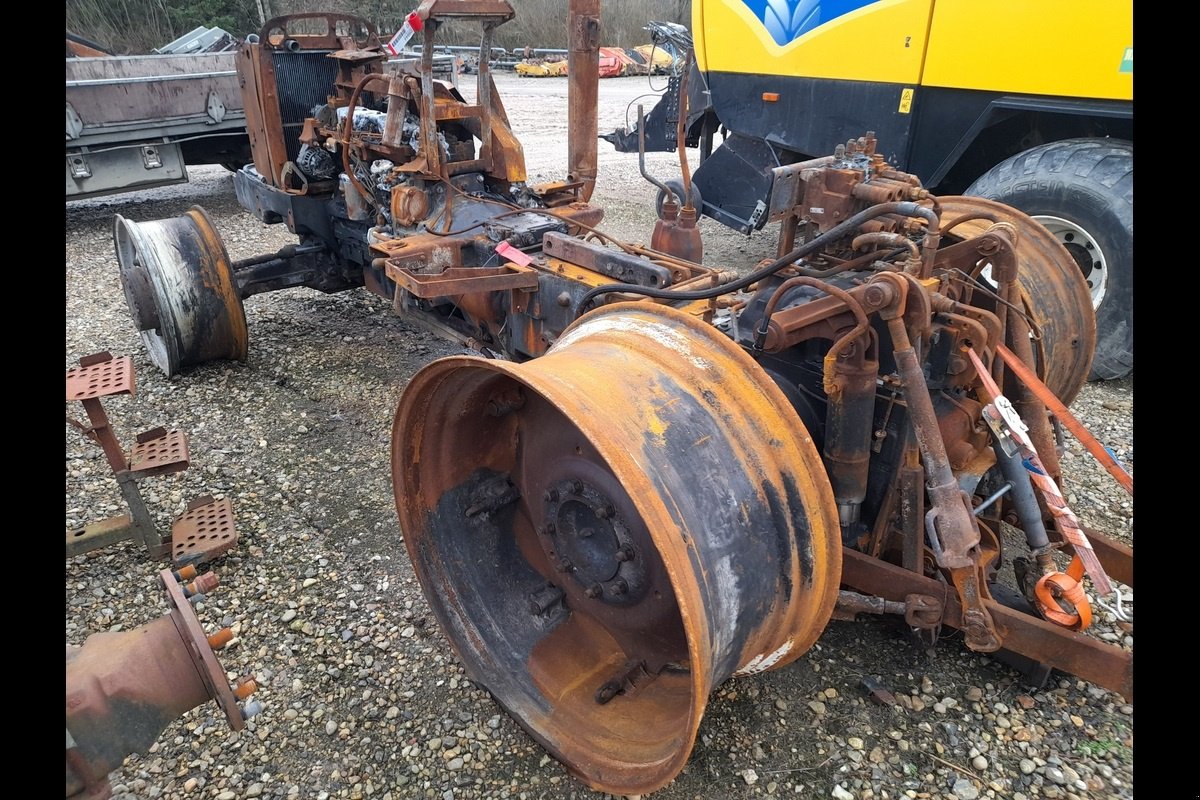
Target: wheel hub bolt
(618, 587)
(594, 590)
(564, 565)
(551, 495)
(576, 487)
(625, 553)
(548, 529)
(604, 512)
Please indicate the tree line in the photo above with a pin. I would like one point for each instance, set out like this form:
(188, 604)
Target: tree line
(139, 26)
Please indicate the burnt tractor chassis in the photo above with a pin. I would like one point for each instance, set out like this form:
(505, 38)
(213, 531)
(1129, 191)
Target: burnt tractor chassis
(660, 474)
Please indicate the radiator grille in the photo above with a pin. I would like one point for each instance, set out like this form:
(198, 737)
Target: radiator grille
(303, 80)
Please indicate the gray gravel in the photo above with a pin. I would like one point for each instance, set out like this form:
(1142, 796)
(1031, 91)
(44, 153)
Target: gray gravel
(363, 696)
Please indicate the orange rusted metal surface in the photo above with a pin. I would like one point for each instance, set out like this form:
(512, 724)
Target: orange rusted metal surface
(124, 688)
(1069, 420)
(610, 582)
(1054, 293)
(1079, 654)
(583, 92)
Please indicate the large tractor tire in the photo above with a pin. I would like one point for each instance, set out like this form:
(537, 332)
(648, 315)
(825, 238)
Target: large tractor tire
(1081, 190)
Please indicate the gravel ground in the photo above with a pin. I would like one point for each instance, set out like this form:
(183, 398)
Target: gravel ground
(363, 696)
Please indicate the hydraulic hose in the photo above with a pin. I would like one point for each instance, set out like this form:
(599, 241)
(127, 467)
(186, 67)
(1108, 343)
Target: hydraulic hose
(906, 208)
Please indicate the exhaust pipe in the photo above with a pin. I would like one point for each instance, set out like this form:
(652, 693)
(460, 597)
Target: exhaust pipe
(583, 90)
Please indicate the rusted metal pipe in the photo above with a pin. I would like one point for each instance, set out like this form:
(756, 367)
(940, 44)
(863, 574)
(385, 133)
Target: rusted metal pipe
(583, 91)
(681, 133)
(887, 240)
(956, 531)
(670, 196)
(123, 689)
(349, 126)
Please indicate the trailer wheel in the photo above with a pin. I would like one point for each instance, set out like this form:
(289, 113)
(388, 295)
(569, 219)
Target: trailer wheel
(180, 290)
(1081, 190)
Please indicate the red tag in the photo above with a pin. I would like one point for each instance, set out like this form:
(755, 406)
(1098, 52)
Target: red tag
(513, 254)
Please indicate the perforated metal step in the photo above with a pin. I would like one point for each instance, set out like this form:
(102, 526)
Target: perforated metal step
(110, 376)
(159, 452)
(206, 529)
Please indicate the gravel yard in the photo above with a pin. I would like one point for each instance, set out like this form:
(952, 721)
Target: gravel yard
(363, 696)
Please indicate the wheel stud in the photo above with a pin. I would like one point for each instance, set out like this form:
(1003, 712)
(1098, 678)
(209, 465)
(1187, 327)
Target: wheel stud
(618, 587)
(625, 553)
(594, 590)
(551, 495)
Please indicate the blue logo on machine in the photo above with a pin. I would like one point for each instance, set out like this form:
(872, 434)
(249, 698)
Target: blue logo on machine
(788, 20)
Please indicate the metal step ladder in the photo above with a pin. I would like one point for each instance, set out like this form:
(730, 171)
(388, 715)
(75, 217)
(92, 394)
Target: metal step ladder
(204, 531)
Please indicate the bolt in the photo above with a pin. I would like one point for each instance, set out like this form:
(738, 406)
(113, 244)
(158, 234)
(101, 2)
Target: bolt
(202, 585)
(625, 553)
(576, 486)
(563, 299)
(551, 495)
(618, 587)
(220, 638)
(605, 511)
(595, 590)
(607, 692)
(564, 565)
(245, 687)
(185, 573)
(548, 529)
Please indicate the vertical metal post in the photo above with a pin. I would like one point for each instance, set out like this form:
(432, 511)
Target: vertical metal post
(583, 91)
(483, 96)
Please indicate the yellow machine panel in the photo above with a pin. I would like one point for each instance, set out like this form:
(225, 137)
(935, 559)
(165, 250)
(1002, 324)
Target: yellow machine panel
(1066, 48)
(876, 40)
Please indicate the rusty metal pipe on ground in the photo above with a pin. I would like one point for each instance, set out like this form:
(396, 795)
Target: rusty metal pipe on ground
(123, 689)
(583, 91)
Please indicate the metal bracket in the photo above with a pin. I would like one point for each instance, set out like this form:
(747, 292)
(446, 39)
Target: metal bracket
(78, 164)
(151, 157)
(215, 108)
(74, 123)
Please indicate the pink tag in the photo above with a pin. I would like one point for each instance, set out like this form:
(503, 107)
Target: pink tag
(513, 254)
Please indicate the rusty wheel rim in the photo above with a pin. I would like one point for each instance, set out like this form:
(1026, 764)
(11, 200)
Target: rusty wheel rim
(1055, 293)
(609, 433)
(179, 287)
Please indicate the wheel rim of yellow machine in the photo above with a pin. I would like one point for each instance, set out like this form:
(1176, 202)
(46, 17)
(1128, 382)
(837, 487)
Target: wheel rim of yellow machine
(1056, 295)
(608, 439)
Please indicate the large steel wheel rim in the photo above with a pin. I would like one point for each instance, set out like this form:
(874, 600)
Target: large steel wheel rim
(607, 433)
(1086, 251)
(1054, 292)
(179, 287)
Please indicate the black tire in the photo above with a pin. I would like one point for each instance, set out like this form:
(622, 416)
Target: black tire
(1088, 184)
